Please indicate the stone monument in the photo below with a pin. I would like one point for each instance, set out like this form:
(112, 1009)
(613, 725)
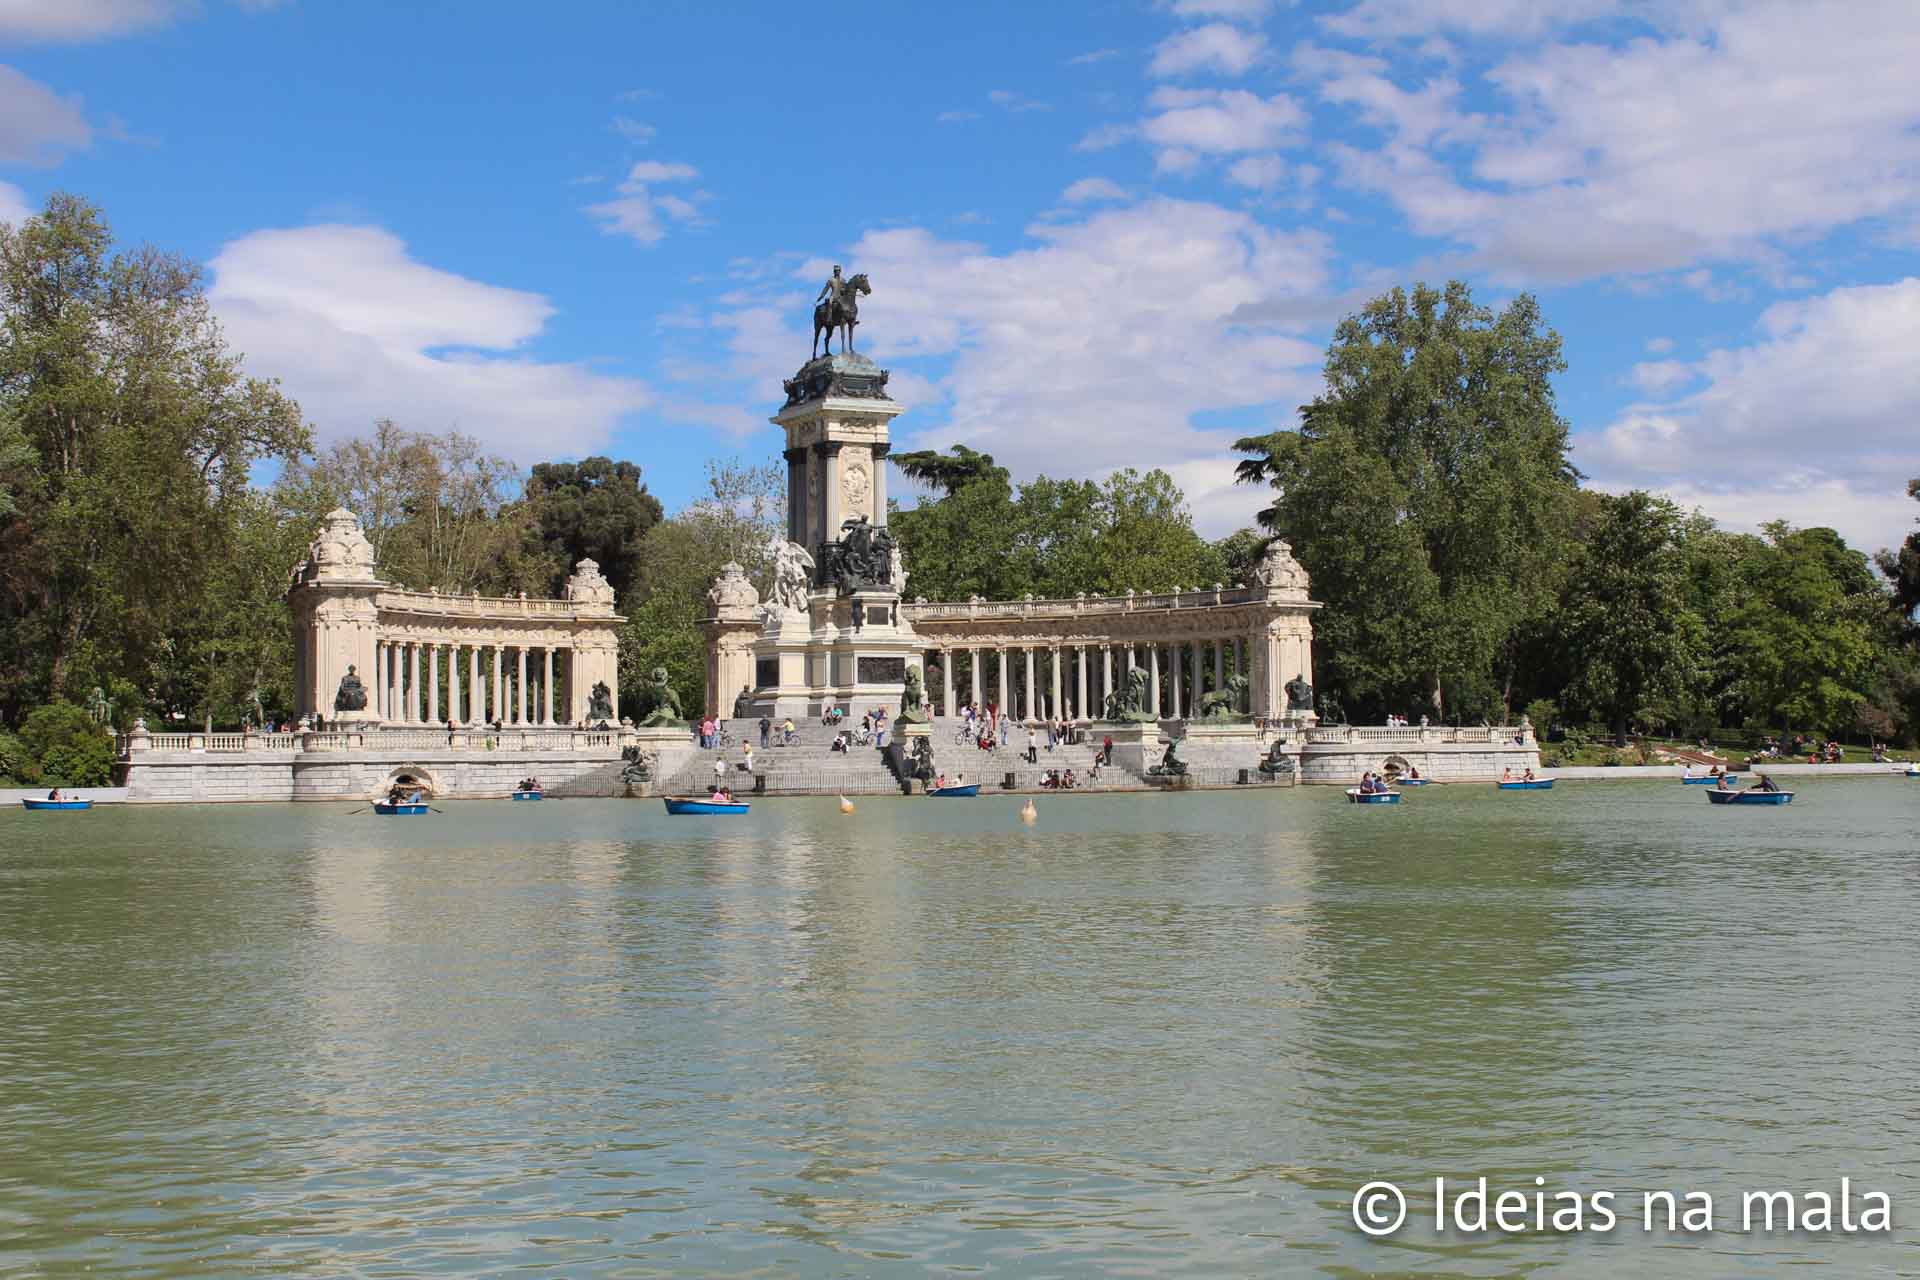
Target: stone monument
(831, 631)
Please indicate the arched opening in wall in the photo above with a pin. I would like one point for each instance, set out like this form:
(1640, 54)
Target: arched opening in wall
(406, 780)
(1395, 766)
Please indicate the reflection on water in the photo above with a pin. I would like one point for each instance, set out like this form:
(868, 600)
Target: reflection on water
(1148, 1036)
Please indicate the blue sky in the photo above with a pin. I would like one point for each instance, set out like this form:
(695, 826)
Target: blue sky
(1099, 235)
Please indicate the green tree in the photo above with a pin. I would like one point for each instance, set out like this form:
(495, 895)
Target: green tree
(1623, 620)
(1428, 492)
(440, 511)
(65, 746)
(737, 520)
(596, 508)
(132, 434)
(1902, 566)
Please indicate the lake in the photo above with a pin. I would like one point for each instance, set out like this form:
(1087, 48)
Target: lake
(1153, 1035)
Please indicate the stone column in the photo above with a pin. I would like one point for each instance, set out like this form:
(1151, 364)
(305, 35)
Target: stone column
(1198, 683)
(408, 683)
(500, 683)
(973, 676)
(1176, 651)
(1056, 711)
(1106, 674)
(1003, 681)
(946, 681)
(379, 680)
(476, 691)
(546, 686)
(520, 684)
(433, 684)
(1219, 662)
(1080, 678)
(1153, 678)
(1239, 656)
(453, 683)
(1027, 698)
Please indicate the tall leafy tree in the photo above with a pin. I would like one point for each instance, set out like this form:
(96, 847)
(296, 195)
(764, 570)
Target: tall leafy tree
(131, 434)
(1902, 566)
(1428, 492)
(595, 508)
(1623, 621)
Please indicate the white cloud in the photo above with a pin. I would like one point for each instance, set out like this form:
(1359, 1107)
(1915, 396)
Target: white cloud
(1661, 377)
(1262, 172)
(1092, 56)
(37, 124)
(1823, 404)
(1222, 121)
(637, 212)
(13, 204)
(1215, 47)
(1769, 123)
(356, 329)
(79, 19)
(633, 130)
(1408, 19)
(1659, 346)
(1009, 100)
(1088, 350)
(1240, 10)
(1091, 189)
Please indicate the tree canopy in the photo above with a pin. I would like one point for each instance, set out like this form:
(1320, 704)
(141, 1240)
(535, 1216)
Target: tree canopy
(597, 509)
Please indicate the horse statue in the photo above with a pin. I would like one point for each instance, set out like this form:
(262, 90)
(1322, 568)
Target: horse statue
(842, 313)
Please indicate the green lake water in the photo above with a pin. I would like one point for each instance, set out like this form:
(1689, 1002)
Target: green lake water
(1149, 1035)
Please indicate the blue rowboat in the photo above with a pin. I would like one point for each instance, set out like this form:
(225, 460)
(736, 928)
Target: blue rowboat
(1411, 782)
(1357, 796)
(1913, 771)
(399, 810)
(58, 804)
(1751, 796)
(1705, 779)
(1529, 784)
(676, 804)
(529, 795)
(969, 789)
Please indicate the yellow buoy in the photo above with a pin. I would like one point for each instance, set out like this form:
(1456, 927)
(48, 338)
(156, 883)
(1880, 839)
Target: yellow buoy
(1028, 814)
(846, 805)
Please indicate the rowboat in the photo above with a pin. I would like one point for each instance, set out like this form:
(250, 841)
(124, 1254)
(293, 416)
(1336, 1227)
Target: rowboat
(1751, 796)
(684, 805)
(1913, 770)
(1705, 779)
(529, 795)
(1357, 796)
(57, 804)
(411, 809)
(1411, 782)
(967, 789)
(1527, 784)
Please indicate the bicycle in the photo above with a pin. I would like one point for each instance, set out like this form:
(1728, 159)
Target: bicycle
(723, 738)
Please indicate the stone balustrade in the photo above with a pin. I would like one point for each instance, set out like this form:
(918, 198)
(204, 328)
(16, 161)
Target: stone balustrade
(563, 738)
(1417, 735)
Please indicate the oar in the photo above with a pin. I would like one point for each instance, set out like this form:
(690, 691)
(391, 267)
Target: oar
(436, 810)
(365, 810)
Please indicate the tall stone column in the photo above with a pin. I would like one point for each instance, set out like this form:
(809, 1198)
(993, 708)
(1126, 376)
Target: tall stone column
(453, 683)
(476, 691)
(1175, 674)
(1027, 699)
(1004, 707)
(946, 681)
(520, 684)
(1080, 676)
(500, 683)
(410, 679)
(1056, 711)
(546, 686)
(1198, 681)
(433, 684)
(379, 681)
(1153, 678)
(1106, 674)
(974, 677)
(396, 681)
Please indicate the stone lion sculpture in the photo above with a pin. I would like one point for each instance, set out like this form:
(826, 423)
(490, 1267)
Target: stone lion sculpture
(913, 700)
(662, 702)
(1229, 703)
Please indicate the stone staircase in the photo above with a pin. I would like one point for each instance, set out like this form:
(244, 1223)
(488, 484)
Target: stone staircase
(810, 767)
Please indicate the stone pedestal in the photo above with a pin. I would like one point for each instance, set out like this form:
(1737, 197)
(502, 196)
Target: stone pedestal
(1135, 744)
(667, 747)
